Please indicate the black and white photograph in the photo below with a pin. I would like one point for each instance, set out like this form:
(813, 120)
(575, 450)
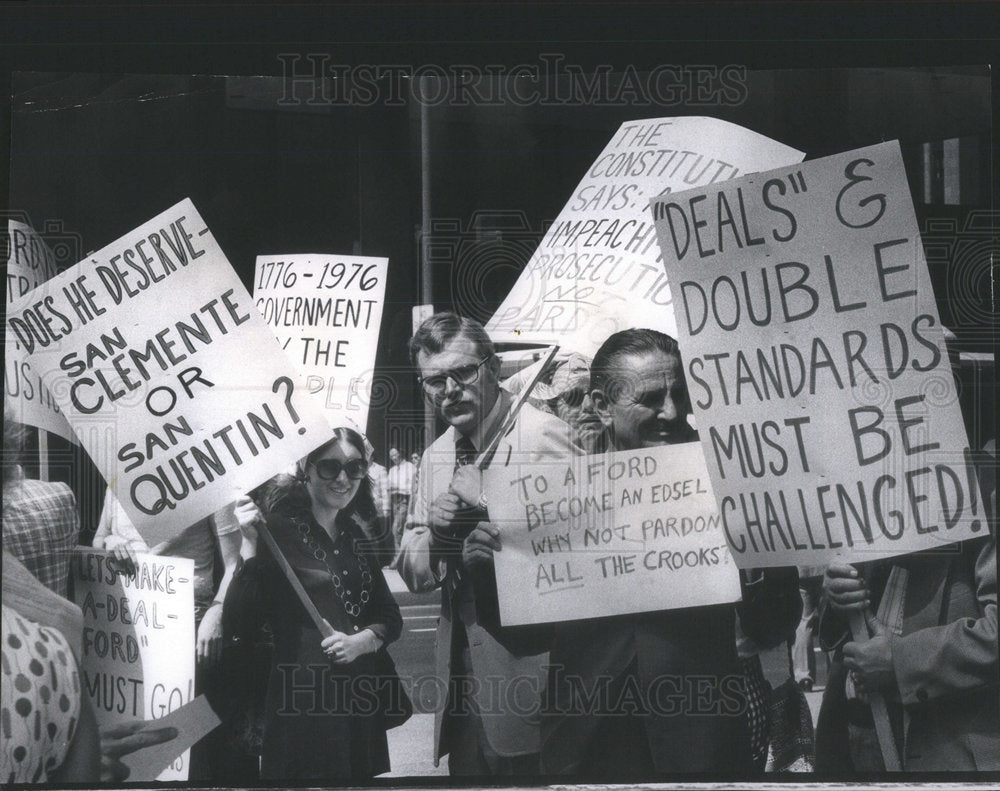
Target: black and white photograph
(499, 395)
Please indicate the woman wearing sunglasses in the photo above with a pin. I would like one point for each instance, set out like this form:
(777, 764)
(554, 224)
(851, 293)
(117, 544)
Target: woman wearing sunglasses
(322, 718)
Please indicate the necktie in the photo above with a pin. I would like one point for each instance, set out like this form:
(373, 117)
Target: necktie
(465, 452)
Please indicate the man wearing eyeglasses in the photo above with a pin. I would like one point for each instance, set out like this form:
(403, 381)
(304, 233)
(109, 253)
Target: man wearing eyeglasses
(488, 722)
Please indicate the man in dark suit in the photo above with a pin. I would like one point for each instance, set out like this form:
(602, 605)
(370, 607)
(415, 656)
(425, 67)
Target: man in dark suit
(487, 722)
(646, 695)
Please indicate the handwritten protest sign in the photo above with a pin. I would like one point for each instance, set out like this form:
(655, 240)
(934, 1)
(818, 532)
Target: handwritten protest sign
(598, 268)
(138, 639)
(30, 263)
(326, 311)
(626, 532)
(156, 334)
(816, 363)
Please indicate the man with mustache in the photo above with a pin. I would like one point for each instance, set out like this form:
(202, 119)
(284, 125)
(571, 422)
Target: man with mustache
(485, 723)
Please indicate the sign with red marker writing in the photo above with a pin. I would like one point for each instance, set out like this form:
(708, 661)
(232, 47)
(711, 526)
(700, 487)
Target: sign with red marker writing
(598, 268)
(170, 378)
(816, 364)
(326, 311)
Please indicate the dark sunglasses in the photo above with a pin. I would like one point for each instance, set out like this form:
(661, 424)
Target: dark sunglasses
(329, 469)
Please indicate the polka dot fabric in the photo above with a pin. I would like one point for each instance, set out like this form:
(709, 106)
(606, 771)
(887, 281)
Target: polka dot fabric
(40, 710)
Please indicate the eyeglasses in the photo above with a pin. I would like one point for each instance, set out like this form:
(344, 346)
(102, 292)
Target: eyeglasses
(463, 376)
(329, 469)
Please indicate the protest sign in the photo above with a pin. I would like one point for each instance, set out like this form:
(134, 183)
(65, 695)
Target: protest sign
(626, 532)
(816, 363)
(138, 639)
(326, 311)
(156, 336)
(598, 269)
(30, 263)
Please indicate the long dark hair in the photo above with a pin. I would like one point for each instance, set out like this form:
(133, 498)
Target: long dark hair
(288, 494)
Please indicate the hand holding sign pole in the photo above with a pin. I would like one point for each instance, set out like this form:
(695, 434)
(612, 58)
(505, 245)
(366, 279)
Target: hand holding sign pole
(880, 712)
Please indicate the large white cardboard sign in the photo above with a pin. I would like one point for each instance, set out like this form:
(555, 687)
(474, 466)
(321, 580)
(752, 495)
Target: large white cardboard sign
(816, 363)
(155, 340)
(626, 532)
(30, 263)
(598, 268)
(326, 311)
(138, 639)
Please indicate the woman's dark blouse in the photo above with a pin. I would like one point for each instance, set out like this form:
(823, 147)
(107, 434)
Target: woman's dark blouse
(338, 743)
(276, 601)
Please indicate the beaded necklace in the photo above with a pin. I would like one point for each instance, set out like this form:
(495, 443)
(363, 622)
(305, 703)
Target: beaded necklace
(353, 608)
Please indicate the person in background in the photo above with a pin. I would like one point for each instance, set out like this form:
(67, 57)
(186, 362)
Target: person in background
(318, 725)
(415, 461)
(459, 372)
(41, 524)
(214, 537)
(781, 728)
(567, 395)
(379, 530)
(639, 392)
(400, 486)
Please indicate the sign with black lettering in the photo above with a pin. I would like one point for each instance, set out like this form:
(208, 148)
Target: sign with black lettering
(30, 263)
(326, 311)
(598, 268)
(138, 639)
(625, 532)
(816, 363)
(156, 339)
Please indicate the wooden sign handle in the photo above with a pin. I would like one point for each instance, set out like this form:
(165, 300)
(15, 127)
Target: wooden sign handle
(880, 712)
(320, 622)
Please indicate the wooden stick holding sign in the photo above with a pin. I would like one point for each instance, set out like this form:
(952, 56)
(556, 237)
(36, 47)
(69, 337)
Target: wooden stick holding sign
(321, 623)
(486, 457)
(43, 455)
(880, 712)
